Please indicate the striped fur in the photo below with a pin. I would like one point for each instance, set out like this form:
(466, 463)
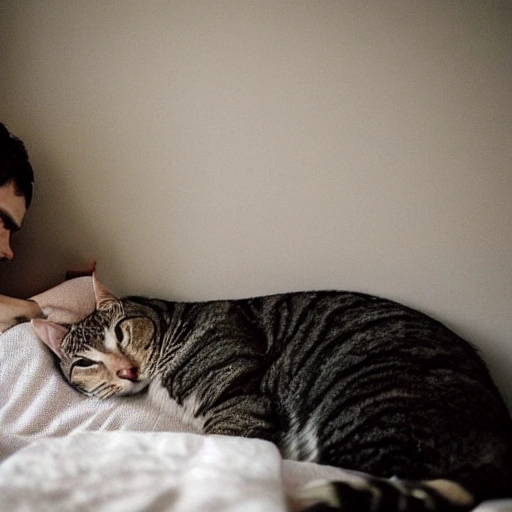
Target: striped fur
(339, 378)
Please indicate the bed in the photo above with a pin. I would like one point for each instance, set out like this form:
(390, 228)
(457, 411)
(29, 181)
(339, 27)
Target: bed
(62, 451)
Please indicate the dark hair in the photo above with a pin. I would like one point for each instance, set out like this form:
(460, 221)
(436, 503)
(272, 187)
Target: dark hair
(14, 165)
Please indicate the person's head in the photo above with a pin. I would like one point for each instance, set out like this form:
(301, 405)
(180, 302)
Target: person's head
(16, 178)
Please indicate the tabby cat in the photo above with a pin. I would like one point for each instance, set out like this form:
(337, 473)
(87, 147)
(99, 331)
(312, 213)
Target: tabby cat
(338, 378)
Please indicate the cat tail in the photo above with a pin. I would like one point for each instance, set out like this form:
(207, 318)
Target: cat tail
(366, 493)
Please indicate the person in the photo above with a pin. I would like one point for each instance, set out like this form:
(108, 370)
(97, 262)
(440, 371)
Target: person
(16, 179)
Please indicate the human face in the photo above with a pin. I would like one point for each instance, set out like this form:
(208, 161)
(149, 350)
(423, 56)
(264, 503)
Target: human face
(12, 213)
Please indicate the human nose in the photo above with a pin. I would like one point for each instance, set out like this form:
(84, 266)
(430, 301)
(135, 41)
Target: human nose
(6, 253)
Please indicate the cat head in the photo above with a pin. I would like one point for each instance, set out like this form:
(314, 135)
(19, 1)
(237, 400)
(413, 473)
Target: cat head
(109, 352)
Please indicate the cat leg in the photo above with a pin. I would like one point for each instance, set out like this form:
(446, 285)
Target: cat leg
(371, 494)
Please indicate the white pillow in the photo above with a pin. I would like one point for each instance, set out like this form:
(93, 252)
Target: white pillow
(36, 402)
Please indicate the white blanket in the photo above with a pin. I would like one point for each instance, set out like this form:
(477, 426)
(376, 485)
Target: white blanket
(62, 451)
(134, 471)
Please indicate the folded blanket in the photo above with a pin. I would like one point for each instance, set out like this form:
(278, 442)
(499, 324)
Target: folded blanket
(144, 471)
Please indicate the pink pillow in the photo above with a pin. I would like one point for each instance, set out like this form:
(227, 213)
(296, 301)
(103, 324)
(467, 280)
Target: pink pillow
(69, 301)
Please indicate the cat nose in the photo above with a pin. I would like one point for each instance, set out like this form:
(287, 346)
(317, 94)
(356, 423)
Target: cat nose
(128, 373)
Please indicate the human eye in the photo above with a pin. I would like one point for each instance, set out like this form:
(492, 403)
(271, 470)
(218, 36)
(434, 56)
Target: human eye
(7, 223)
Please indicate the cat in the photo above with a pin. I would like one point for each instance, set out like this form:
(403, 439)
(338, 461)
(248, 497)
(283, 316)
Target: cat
(338, 378)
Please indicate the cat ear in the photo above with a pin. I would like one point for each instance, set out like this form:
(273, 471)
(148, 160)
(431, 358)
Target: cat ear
(105, 299)
(50, 334)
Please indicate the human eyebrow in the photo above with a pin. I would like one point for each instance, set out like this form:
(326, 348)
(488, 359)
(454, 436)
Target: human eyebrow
(8, 222)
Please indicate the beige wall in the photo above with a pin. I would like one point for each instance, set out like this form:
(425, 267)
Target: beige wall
(231, 148)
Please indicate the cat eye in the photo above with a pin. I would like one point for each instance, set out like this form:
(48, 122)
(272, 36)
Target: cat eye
(84, 363)
(119, 333)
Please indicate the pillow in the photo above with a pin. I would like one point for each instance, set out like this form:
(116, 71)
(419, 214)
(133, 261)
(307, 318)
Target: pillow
(36, 402)
(69, 302)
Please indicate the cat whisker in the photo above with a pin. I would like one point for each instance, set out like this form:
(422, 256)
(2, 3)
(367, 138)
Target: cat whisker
(110, 391)
(83, 390)
(98, 389)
